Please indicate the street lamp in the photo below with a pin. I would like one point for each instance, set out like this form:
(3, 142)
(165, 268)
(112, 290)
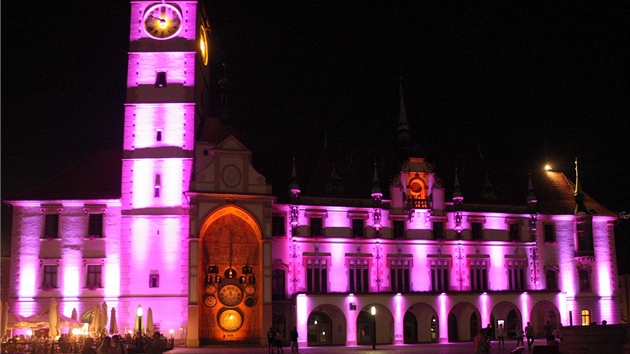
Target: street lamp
(373, 312)
(139, 315)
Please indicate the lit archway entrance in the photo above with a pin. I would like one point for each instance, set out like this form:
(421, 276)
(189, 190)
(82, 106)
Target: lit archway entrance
(426, 324)
(384, 326)
(319, 329)
(410, 325)
(463, 322)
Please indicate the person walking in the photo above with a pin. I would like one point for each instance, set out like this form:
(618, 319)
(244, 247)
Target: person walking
(480, 342)
(501, 336)
(294, 341)
(271, 336)
(519, 336)
(279, 342)
(529, 333)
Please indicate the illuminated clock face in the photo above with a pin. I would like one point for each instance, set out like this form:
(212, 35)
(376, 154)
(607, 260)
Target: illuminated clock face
(204, 45)
(230, 320)
(230, 295)
(250, 289)
(162, 21)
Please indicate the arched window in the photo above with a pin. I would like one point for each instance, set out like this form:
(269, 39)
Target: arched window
(586, 317)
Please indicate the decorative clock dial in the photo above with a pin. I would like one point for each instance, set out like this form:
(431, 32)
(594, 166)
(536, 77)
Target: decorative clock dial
(230, 273)
(210, 301)
(162, 21)
(230, 295)
(211, 289)
(204, 45)
(230, 320)
(250, 289)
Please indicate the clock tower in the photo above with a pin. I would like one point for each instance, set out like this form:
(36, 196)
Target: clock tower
(167, 95)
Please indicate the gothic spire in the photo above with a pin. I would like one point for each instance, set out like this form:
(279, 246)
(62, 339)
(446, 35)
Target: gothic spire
(376, 190)
(294, 187)
(457, 192)
(578, 194)
(403, 125)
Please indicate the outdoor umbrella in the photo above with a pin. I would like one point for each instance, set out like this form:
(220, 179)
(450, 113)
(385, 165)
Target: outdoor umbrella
(74, 315)
(104, 316)
(150, 326)
(136, 324)
(113, 326)
(96, 320)
(53, 319)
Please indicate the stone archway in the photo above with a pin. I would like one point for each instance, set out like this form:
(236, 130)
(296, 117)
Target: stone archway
(464, 322)
(508, 314)
(384, 326)
(427, 323)
(326, 326)
(542, 312)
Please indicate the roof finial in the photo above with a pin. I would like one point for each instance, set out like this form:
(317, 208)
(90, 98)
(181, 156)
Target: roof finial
(578, 194)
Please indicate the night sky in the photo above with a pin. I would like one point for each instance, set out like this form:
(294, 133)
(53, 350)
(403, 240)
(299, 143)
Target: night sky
(525, 83)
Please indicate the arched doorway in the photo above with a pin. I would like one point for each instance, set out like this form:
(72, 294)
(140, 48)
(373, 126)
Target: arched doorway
(542, 312)
(463, 322)
(426, 323)
(507, 313)
(410, 328)
(319, 329)
(384, 326)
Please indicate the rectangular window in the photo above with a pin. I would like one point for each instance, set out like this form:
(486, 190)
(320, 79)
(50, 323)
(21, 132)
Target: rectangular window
(160, 79)
(516, 274)
(358, 275)
(515, 232)
(399, 229)
(400, 275)
(357, 227)
(584, 235)
(477, 231)
(316, 227)
(50, 277)
(550, 233)
(158, 136)
(479, 275)
(93, 276)
(95, 225)
(317, 275)
(438, 230)
(51, 226)
(278, 284)
(157, 185)
(440, 280)
(154, 280)
(277, 226)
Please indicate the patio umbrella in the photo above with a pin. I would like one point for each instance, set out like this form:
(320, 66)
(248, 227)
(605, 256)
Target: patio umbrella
(150, 326)
(53, 319)
(74, 315)
(113, 325)
(104, 316)
(96, 320)
(136, 324)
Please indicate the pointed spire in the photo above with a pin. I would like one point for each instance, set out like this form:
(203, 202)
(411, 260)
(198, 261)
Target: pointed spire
(294, 187)
(403, 125)
(376, 190)
(531, 197)
(578, 194)
(488, 189)
(457, 193)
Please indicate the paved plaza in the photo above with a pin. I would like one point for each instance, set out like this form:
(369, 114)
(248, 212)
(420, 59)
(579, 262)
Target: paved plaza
(443, 348)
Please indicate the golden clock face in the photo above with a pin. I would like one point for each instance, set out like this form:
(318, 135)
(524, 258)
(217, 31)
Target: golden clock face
(211, 289)
(250, 289)
(210, 301)
(204, 45)
(162, 21)
(230, 320)
(230, 295)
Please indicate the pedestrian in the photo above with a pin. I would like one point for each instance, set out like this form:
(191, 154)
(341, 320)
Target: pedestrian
(519, 335)
(529, 333)
(106, 346)
(548, 332)
(294, 341)
(501, 336)
(271, 336)
(480, 342)
(279, 342)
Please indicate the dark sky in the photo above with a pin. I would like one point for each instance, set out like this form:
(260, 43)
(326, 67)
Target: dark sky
(526, 81)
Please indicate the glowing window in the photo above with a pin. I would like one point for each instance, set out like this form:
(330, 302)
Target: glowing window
(95, 225)
(51, 226)
(586, 317)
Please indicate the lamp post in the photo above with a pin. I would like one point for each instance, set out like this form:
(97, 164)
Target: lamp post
(373, 312)
(139, 341)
